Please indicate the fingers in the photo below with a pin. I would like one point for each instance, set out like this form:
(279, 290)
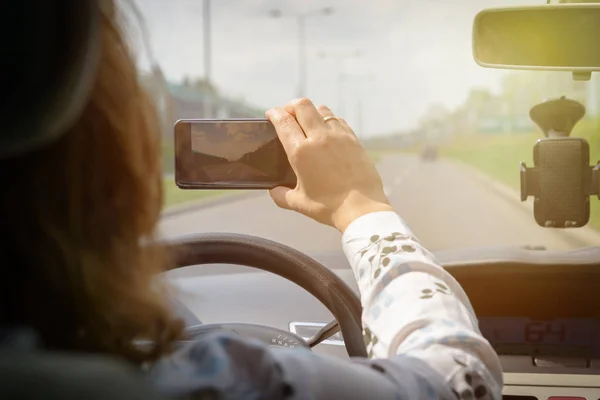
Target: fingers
(326, 112)
(289, 132)
(306, 114)
(283, 197)
(340, 122)
(345, 125)
(343, 122)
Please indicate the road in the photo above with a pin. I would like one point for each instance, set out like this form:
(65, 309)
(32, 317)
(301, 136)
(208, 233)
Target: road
(446, 206)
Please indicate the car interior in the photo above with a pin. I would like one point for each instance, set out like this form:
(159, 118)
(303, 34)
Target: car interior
(538, 308)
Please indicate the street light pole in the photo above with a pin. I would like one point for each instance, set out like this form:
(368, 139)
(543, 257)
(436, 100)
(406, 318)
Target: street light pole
(301, 21)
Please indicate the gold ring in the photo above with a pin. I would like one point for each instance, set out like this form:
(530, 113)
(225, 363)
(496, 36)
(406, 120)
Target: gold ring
(329, 118)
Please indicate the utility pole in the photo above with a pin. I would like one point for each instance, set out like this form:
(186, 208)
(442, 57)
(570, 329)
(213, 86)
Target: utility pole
(207, 41)
(301, 56)
(208, 106)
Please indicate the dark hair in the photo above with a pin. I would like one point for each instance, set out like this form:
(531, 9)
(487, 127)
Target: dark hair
(76, 215)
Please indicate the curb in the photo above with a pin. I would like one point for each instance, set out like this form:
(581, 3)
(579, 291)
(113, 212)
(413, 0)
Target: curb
(209, 202)
(581, 237)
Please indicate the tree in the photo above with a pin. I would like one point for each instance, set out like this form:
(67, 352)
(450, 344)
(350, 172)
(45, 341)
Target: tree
(205, 85)
(478, 99)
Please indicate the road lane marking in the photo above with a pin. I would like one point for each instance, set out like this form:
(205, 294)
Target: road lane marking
(407, 172)
(398, 181)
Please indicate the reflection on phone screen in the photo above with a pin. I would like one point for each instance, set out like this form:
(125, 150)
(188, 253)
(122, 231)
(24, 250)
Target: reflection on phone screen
(233, 151)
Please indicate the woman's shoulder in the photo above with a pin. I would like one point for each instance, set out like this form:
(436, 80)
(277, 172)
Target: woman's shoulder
(221, 363)
(225, 366)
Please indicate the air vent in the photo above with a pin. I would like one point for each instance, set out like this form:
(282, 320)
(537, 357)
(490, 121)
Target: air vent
(559, 362)
(565, 398)
(513, 397)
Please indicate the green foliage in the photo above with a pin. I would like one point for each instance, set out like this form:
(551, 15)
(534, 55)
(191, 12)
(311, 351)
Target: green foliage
(174, 195)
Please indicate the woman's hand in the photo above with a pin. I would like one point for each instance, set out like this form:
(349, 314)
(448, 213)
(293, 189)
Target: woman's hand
(337, 182)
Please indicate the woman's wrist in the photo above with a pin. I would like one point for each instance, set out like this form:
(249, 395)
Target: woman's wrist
(354, 209)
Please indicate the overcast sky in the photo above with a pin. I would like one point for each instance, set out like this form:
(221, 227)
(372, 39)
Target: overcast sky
(418, 51)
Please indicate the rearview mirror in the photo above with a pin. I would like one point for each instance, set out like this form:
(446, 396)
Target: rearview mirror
(561, 37)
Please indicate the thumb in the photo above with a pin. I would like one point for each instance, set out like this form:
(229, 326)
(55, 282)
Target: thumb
(283, 197)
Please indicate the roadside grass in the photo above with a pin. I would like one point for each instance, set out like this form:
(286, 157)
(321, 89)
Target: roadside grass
(499, 155)
(375, 155)
(168, 155)
(174, 195)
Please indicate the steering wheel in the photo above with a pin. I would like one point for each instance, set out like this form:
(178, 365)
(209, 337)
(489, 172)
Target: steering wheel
(282, 260)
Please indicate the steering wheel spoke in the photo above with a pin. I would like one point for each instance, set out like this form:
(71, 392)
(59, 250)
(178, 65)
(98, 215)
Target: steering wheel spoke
(324, 333)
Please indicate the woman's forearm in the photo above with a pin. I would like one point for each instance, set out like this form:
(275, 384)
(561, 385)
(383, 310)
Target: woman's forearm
(413, 307)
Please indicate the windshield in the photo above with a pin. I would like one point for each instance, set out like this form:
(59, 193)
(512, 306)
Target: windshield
(446, 134)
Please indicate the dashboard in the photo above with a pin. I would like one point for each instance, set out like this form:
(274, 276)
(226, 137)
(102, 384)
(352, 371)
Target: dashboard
(543, 319)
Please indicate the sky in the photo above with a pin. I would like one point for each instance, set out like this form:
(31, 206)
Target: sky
(217, 139)
(415, 53)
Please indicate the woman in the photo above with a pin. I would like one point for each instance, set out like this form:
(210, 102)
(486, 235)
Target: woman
(77, 211)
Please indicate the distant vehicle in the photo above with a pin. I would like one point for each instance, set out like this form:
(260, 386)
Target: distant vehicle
(429, 153)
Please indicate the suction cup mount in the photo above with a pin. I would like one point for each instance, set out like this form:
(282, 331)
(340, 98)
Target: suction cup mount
(557, 117)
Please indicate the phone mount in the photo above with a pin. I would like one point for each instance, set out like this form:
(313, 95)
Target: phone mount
(561, 180)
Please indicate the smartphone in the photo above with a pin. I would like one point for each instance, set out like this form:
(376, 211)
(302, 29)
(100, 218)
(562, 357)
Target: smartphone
(562, 199)
(230, 154)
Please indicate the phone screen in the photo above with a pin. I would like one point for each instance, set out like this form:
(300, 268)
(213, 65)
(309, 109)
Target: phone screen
(242, 154)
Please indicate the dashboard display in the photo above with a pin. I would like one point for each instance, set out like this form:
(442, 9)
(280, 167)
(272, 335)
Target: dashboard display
(559, 336)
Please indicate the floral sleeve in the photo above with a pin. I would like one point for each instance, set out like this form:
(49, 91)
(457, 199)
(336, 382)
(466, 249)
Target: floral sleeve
(412, 307)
